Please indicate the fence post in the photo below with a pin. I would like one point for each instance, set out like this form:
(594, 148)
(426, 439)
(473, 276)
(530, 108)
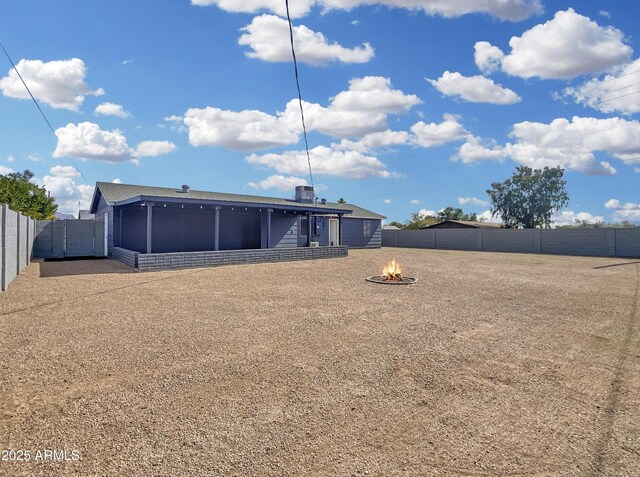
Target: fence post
(537, 240)
(18, 215)
(479, 240)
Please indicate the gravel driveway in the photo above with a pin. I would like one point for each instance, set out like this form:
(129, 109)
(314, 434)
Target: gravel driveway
(493, 364)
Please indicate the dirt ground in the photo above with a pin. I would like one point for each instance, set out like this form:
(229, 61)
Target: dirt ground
(493, 364)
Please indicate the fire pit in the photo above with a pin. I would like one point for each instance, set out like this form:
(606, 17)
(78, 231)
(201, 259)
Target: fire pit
(392, 275)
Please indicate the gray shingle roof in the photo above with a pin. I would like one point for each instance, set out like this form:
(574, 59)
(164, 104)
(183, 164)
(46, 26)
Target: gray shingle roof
(114, 193)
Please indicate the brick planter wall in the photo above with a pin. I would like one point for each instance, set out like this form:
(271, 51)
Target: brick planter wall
(176, 260)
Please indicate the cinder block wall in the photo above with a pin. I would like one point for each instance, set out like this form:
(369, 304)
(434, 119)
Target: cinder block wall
(17, 233)
(176, 260)
(588, 242)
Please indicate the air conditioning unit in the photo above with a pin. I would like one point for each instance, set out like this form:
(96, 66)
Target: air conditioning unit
(314, 244)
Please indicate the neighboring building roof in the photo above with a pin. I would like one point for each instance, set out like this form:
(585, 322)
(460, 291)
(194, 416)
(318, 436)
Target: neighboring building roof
(465, 223)
(84, 214)
(122, 194)
(390, 227)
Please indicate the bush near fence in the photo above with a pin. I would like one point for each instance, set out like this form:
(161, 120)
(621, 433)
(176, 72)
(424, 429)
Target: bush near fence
(17, 233)
(606, 242)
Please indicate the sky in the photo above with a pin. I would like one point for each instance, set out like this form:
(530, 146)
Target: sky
(410, 105)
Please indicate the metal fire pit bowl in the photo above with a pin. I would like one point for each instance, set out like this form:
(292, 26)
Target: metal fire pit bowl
(381, 280)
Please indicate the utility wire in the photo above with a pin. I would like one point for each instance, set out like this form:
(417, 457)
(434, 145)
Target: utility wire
(38, 106)
(295, 66)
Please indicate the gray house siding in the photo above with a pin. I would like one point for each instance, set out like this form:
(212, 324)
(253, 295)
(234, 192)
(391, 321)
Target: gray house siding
(101, 209)
(353, 233)
(284, 231)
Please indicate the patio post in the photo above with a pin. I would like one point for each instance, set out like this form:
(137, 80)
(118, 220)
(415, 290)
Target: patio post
(216, 236)
(149, 224)
(309, 229)
(339, 229)
(269, 227)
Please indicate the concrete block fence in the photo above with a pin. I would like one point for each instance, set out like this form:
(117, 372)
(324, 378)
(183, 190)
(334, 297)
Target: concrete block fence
(167, 261)
(607, 242)
(17, 233)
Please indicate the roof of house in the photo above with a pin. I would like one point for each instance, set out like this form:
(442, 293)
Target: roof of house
(467, 223)
(122, 194)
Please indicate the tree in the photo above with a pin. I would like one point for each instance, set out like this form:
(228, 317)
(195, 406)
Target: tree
(419, 221)
(456, 214)
(341, 201)
(22, 195)
(529, 197)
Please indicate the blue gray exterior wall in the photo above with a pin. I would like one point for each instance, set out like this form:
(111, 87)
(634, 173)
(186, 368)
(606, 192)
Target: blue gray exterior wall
(352, 232)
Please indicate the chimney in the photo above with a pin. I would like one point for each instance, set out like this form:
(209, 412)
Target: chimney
(185, 188)
(304, 194)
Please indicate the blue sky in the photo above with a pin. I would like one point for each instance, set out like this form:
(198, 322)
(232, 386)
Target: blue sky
(408, 108)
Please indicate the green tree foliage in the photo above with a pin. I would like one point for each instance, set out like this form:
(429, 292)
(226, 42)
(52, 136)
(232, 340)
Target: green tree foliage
(419, 221)
(529, 197)
(583, 224)
(341, 201)
(451, 213)
(22, 195)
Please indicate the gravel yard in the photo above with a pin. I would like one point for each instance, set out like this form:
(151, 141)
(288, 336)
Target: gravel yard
(493, 364)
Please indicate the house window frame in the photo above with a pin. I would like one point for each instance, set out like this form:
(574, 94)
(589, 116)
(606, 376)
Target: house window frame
(367, 228)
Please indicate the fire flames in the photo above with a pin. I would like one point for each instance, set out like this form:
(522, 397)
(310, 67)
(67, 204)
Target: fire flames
(392, 271)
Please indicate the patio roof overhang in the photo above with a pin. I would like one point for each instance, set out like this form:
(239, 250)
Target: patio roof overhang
(298, 208)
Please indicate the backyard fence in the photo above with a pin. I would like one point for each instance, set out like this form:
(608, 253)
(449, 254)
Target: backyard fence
(606, 242)
(18, 233)
(70, 238)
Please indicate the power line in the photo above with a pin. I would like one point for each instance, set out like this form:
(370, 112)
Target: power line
(38, 106)
(618, 97)
(619, 89)
(295, 66)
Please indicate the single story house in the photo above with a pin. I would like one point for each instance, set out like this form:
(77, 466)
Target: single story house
(154, 220)
(463, 224)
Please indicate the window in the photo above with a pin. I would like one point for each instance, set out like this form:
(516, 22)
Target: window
(304, 226)
(367, 227)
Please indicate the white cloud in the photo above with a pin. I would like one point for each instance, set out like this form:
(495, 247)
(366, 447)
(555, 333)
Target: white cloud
(628, 211)
(5, 170)
(10, 158)
(247, 130)
(361, 110)
(437, 134)
(333, 122)
(414, 202)
(268, 37)
(428, 213)
(281, 183)
(153, 148)
(617, 91)
(567, 46)
(569, 217)
(487, 57)
(297, 9)
(475, 89)
(62, 186)
(116, 181)
(513, 10)
(373, 94)
(486, 216)
(472, 200)
(476, 149)
(87, 141)
(60, 84)
(376, 140)
(387, 201)
(112, 109)
(569, 144)
(324, 161)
